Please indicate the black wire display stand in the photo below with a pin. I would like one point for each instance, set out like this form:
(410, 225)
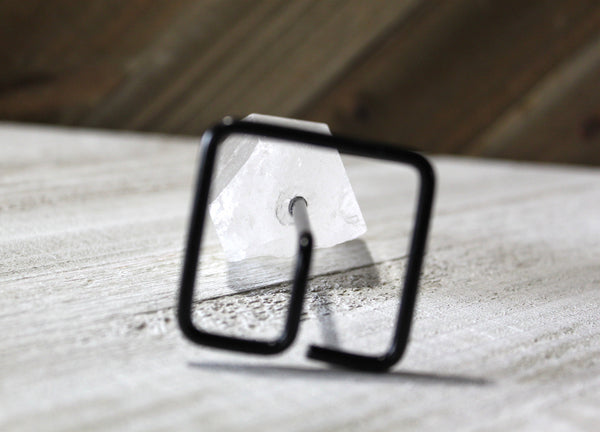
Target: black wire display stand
(210, 142)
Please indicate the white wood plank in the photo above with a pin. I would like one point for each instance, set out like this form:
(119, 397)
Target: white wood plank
(92, 225)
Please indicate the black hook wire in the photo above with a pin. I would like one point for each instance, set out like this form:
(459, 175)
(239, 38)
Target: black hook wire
(210, 141)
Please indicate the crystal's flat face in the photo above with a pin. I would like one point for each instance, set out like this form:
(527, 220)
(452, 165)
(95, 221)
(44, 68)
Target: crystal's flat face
(257, 177)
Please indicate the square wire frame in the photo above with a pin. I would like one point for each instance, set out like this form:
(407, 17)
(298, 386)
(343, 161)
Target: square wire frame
(210, 142)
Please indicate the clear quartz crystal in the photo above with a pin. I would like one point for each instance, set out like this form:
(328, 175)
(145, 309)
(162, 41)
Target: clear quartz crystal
(255, 180)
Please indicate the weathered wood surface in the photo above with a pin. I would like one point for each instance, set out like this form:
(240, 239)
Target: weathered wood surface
(506, 334)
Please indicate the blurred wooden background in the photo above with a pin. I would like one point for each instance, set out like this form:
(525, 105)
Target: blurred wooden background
(511, 78)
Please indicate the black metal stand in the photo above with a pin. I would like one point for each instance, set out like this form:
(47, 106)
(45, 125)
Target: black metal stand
(209, 144)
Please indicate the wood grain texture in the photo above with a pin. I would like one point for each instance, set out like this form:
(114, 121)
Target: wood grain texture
(446, 74)
(506, 334)
(61, 59)
(563, 107)
(444, 77)
(177, 66)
